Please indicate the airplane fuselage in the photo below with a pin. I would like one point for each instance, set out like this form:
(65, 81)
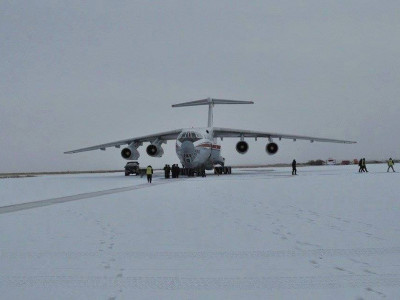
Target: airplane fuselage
(197, 148)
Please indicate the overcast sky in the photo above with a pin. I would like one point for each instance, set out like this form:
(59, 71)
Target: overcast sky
(80, 73)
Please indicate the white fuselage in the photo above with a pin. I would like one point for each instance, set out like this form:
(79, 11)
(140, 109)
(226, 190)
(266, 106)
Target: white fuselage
(197, 148)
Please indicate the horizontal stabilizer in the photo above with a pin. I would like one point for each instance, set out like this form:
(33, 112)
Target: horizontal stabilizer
(211, 101)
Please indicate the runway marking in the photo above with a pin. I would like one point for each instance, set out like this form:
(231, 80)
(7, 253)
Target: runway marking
(40, 203)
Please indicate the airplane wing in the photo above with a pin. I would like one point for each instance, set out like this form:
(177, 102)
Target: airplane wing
(228, 132)
(168, 135)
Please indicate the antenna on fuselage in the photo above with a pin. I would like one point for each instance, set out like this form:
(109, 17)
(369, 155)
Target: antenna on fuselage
(211, 102)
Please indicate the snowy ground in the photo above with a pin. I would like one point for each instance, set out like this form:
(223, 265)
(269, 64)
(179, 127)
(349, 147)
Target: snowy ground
(328, 233)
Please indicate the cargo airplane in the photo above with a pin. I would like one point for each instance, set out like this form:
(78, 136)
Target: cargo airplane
(199, 147)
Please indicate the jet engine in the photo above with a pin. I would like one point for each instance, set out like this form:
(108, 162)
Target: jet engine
(271, 148)
(242, 147)
(130, 153)
(155, 150)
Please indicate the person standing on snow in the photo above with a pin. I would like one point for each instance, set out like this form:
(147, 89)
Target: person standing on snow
(364, 165)
(149, 173)
(173, 171)
(203, 171)
(167, 170)
(360, 165)
(294, 169)
(390, 164)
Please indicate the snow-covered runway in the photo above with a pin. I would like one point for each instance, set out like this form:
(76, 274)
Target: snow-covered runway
(328, 233)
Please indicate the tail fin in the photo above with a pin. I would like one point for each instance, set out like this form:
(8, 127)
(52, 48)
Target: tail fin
(210, 102)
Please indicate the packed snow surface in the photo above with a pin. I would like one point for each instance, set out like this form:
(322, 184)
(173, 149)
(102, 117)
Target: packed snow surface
(327, 233)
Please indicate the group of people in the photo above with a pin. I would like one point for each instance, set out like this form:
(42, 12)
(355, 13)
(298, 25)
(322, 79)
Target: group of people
(175, 170)
(362, 165)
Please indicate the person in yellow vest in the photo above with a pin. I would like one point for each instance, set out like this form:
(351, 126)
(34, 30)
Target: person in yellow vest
(149, 173)
(390, 164)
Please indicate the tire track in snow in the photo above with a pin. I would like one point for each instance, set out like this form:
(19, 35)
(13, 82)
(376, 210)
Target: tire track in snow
(168, 255)
(203, 283)
(52, 201)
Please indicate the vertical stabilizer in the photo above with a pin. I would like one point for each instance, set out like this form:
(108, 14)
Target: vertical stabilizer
(211, 102)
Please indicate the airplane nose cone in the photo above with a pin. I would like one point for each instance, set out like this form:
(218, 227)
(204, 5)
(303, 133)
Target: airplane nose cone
(187, 147)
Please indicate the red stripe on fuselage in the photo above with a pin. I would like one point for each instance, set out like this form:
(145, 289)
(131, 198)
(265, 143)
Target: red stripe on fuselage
(204, 145)
(209, 146)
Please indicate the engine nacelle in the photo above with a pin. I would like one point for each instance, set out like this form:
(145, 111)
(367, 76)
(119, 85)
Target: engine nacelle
(271, 148)
(130, 153)
(242, 147)
(154, 150)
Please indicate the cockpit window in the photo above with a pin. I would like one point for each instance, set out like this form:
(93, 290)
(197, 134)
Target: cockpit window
(190, 136)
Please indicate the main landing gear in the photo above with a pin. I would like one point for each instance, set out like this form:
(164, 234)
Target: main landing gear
(222, 170)
(191, 172)
(195, 172)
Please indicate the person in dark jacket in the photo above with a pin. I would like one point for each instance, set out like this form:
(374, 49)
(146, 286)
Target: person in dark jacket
(360, 165)
(167, 170)
(203, 171)
(364, 165)
(173, 170)
(149, 173)
(294, 169)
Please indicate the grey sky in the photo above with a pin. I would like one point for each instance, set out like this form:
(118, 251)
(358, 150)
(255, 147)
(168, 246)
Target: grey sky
(80, 73)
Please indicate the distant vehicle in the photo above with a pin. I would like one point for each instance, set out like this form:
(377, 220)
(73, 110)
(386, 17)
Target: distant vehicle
(199, 147)
(346, 162)
(132, 167)
(331, 161)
